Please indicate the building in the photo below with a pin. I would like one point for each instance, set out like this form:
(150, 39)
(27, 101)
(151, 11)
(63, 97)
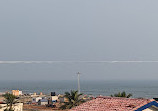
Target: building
(41, 93)
(36, 99)
(16, 92)
(43, 102)
(16, 107)
(62, 99)
(34, 94)
(117, 104)
(54, 98)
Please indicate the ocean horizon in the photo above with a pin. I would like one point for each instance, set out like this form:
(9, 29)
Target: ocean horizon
(139, 89)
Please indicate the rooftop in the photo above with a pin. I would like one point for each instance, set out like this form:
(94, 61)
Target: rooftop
(112, 104)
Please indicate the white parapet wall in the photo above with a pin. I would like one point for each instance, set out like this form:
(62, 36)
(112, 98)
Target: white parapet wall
(16, 107)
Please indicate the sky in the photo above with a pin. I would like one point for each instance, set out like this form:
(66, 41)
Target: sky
(71, 31)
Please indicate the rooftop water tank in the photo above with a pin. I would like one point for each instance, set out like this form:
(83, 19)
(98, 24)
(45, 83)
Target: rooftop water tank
(53, 94)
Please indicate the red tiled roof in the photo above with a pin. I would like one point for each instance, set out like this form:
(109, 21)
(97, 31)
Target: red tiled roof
(112, 104)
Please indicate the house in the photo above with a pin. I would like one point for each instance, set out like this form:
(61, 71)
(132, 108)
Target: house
(54, 98)
(16, 107)
(43, 102)
(36, 99)
(16, 92)
(117, 104)
(62, 99)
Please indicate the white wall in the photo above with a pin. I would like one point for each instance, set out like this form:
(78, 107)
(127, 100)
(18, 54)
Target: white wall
(16, 107)
(54, 98)
(35, 100)
(151, 109)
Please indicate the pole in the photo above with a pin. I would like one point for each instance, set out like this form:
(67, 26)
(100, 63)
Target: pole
(78, 75)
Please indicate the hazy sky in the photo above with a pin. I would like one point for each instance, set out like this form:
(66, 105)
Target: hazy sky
(79, 30)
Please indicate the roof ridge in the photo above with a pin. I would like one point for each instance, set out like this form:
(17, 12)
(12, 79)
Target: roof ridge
(106, 97)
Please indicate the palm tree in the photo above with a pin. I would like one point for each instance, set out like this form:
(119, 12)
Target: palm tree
(10, 99)
(122, 94)
(73, 99)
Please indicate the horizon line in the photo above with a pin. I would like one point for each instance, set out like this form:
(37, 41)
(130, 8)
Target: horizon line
(49, 62)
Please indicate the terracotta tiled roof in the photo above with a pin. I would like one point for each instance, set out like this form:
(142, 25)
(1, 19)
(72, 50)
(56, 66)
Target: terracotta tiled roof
(112, 104)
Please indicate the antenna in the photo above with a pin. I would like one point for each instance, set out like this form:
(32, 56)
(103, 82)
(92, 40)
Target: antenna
(78, 76)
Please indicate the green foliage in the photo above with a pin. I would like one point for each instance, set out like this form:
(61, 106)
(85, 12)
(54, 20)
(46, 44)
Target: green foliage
(74, 99)
(122, 94)
(10, 99)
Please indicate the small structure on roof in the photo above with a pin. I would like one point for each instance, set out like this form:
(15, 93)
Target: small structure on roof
(117, 104)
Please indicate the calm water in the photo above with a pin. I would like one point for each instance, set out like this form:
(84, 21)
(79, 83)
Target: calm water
(146, 89)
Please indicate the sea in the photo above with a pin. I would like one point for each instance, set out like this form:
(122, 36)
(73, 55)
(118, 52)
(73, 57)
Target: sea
(139, 89)
(97, 78)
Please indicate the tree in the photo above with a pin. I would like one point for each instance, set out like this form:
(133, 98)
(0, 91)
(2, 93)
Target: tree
(122, 94)
(73, 99)
(10, 99)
